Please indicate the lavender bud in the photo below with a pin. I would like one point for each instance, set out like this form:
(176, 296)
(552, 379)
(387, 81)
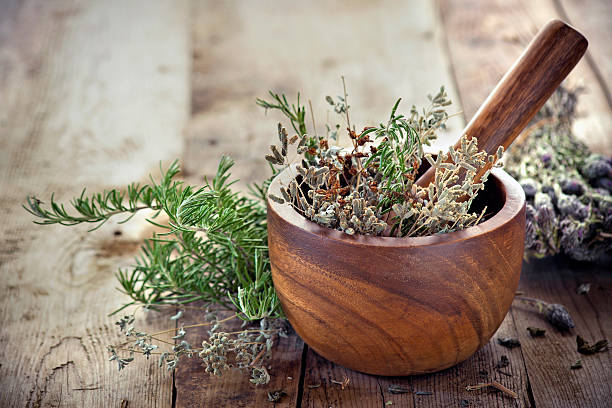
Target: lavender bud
(559, 317)
(530, 229)
(570, 206)
(546, 157)
(604, 183)
(572, 186)
(529, 187)
(545, 214)
(550, 191)
(596, 166)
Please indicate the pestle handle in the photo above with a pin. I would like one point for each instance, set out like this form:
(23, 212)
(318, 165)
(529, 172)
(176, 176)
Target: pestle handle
(520, 94)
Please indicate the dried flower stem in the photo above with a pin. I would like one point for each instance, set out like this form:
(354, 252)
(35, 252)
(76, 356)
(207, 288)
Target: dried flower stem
(495, 385)
(191, 326)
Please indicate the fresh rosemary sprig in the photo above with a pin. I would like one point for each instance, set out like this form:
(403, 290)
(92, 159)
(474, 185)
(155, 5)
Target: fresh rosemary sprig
(213, 249)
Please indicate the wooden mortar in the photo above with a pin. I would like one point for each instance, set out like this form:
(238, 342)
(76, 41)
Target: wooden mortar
(398, 306)
(403, 306)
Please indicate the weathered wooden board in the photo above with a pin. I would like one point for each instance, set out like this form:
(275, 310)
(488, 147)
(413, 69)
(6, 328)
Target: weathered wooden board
(92, 94)
(484, 39)
(595, 19)
(548, 359)
(242, 50)
(503, 31)
(447, 387)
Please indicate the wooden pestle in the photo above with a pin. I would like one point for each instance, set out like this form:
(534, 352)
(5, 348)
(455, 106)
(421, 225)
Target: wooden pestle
(520, 94)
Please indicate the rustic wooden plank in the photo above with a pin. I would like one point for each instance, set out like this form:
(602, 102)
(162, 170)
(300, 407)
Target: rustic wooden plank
(484, 39)
(548, 359)
(594, 17)
(196, 388)
(503, 32)
(92, 94)
(242, 50)
(447, 387)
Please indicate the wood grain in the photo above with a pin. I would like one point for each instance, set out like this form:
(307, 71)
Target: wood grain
(78, 108)
(523, 90)
(447, 387)
(391, 306)
(548, 359)
(306, 48)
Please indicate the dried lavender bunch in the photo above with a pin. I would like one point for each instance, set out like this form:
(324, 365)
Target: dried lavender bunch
(370, 188)
(569, 205)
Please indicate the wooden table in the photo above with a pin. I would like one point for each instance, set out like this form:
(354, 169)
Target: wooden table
(98, 93)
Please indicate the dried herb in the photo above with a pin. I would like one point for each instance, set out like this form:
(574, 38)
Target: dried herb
(313, 386)
(370, 189)
(585, 348)
(276, 396)
(423, 393)
(568, 188)
(559, 317)
(503, 362)
(576, 365)
(509, 342)
(556, 314)
(583, 289)
(536, 331)
(398, 389)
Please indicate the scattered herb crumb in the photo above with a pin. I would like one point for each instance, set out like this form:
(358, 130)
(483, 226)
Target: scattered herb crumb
(503, 362)
(583, 289)
(577, 365)
(509, 342)
(465, 403)
(423, 393)
(585, 348)
(536, 331)
(398, 389)
(313, 386)
(389, 403)
(276, 396)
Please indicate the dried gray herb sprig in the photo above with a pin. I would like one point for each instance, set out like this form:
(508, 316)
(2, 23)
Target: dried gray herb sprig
(222, 351)
(370, 189)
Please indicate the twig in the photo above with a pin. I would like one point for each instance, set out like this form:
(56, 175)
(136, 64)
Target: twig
(495, 385)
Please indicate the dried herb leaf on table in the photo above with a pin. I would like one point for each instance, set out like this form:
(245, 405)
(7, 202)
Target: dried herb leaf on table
(568, 188)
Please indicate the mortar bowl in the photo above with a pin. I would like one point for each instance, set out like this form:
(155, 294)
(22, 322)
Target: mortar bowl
(398, 306)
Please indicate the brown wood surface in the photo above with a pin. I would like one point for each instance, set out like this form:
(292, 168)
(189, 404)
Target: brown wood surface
(523, 90)
(97, 93)
(77, 108)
